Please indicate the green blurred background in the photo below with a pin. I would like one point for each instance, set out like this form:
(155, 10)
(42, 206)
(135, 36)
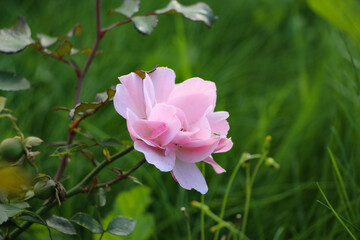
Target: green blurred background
(285, 68)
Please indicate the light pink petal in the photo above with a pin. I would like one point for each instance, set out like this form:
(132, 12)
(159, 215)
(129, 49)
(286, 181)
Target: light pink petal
(218, 123)
(163, 79)
(189, 176)
(202, 128)
(225, 144)
(167, 114)
(144, 129)
(193, 96)
(217, 168)
(196, 151)
(131, 95)
(149, 94)
(156, 156)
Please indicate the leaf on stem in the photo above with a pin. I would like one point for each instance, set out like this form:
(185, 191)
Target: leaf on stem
(97, 197)
(64, 49)
(128, 8)
(61, 224)
(11, 82)
(16, 38)
(197, 12)
(46, 40)
(87, 222)
(110, 142)
(145, 24)
(65, 150)
(121, 226)
(7, 211)
(76, 31)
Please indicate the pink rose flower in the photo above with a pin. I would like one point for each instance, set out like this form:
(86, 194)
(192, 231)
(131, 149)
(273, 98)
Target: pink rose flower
(174, 125)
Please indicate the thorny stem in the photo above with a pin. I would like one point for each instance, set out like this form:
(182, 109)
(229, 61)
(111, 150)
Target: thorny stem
(80, 188)
(81, 76)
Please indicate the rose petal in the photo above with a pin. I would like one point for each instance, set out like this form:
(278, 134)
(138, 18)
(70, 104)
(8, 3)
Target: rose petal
(149, 94)
(193, 96)
(225, 144)
(217, 168)
(189, 176)
(144, 129)
(163, 79)
(196, 151)
(156, 156)
(130, 94)
(218, 123)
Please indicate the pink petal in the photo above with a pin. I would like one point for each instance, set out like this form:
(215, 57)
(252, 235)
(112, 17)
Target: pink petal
(217, 168)
(225, 144)
(193, 96)
(218, 123)
(189, 176)
(163, 79)
(196, 151)
(156, 156)
(149, 94)
(202, 128)
(167, 114)
(144, 129)
(130, 94)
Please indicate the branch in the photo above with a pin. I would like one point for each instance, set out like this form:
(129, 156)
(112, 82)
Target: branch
(81, 76)
(79, 187)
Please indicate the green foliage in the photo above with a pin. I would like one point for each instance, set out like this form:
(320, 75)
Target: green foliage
(197, 12)
(128, 8)
(64, 150)
(16, 38)
(145, 24)
(121, 226)
(86, 221)
(61, 224)
(11, 82)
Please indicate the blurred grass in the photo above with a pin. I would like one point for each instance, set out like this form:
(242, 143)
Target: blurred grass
(280, 70)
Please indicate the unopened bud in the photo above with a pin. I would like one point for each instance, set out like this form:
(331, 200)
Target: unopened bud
(11, 149)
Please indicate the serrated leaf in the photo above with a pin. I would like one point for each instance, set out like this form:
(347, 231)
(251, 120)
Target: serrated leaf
(83, 107)
(145, 24)
(64, 49)
(121, 226)
(7, 211)
(64, 150)
(46, 40)
(2, 103)
(61, 224)
(128, 8)
(11, 82)
(34, 218)
(87, 222)
(110, 142)
(16, 38)
(197, 12)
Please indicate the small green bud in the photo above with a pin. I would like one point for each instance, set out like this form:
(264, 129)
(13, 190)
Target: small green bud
(44, 189)
(11, 149)
(33, 141)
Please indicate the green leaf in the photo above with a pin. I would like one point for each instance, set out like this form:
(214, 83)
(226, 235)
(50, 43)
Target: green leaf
(11, 82)
(46, 40)
(64, 49)
(102, 197)
(61, 224)
(34, 218)
(97, 197)
(7, 211)
(87, 222)
(128, 8)
(64, 150)
(121, 226)
(16, 38)
(145, 24)
(2, 103)
(21, 205)
(197, 12)
(85, 107)
(76, 31)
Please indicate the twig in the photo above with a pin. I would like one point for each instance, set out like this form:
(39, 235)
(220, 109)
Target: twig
(81, 76)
